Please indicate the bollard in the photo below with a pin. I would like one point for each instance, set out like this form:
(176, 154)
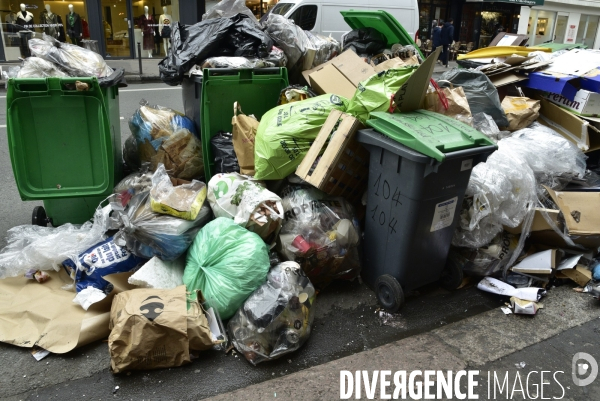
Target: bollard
(139, 52)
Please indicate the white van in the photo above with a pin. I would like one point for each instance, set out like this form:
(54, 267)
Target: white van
(323, 16)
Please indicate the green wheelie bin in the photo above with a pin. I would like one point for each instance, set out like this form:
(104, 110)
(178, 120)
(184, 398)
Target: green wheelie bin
(64, 145)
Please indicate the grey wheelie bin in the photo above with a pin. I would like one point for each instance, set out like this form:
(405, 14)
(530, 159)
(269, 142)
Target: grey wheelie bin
(419, 170)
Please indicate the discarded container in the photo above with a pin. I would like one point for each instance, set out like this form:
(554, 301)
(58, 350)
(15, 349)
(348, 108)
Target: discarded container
(191, 93)
(258, 90)
(412, 208)
(65, 145)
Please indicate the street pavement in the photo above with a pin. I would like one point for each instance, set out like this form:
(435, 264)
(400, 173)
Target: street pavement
(437, 329)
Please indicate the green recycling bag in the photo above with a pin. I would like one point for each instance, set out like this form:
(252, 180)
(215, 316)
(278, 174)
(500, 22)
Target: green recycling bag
(375, 92)
(286, 132)
(227, 263)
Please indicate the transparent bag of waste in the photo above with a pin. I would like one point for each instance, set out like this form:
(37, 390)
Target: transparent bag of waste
(44, 248)
(485, 124)
(75, 60)
(229, 8)
(326, 46)
(277, 318)
(36, 67)
(289, 37)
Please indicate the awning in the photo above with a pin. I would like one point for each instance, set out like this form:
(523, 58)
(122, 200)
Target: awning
(520, 2)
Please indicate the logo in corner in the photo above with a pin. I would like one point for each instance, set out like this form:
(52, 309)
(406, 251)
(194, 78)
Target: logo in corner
(151, 310)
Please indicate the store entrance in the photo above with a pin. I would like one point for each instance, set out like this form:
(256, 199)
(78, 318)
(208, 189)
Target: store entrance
(117, 28)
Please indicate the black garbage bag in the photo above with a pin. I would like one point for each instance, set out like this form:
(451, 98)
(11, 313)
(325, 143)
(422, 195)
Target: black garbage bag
(481, 93)
(222, 148)
(366, 41)
(234, 36)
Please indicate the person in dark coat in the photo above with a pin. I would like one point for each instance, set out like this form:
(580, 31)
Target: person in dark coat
(436, 36)
(447, 37)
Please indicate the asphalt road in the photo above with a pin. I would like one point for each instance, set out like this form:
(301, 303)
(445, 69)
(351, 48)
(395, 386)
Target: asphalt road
(346, 320)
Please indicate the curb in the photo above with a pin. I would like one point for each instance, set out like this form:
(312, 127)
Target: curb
(471, 342)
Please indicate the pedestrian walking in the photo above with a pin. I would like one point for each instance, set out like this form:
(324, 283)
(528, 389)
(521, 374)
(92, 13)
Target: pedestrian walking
(447, 37)
(436, 37)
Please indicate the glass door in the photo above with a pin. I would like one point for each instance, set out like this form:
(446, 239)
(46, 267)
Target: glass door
(117, 28)
(561, 29)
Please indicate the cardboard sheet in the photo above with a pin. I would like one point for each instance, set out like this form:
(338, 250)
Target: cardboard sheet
(538, 263)
(45, 315)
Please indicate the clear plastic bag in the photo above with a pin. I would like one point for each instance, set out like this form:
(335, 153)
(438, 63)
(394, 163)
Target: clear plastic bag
(327, 48)
(44, 248)
(289, 37)
(130, 186)
(147, 234)
(229, 8)
(277, 318)
(489, 260)
(174, 197)
(166, 136)
(554, 159)
(36, 67)
(485, 124)
(321, 233)
(236, 63)
(75, 60)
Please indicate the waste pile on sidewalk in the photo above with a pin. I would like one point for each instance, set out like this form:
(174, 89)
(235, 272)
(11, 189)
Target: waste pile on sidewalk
(311, 161)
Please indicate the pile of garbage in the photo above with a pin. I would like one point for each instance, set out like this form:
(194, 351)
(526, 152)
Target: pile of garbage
(247, 222)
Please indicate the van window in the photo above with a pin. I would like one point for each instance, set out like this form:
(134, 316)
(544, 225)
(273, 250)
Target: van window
(305, 17)
(282, 8)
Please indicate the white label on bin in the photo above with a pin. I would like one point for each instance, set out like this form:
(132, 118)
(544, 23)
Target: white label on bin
(466, 165)
(444, 214)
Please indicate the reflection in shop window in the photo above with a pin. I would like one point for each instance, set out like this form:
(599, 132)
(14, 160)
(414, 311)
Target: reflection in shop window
(49, 17)
(154, 31)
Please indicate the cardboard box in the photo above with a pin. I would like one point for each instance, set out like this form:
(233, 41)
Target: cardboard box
(574, 70)
(580, 211)
(538, 263)
(343, 168)
(583, 134)
(580, 275)
(539, 223)
(340, 72)
(585, 103)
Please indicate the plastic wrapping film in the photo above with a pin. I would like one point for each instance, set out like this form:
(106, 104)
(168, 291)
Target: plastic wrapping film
(236, 63)
(166, 136)
(227, 263)
(326, 48)
(321, 233)
(36, 67)
(289, 37)
(554, 160)
(229, 8)
(75, 60)
(488, 260)
(277, 318)
(485, 124)
(147, 234)
(237, 36)
(44, 248)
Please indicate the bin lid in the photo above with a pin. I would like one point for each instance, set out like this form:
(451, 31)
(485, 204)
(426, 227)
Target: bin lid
(430, 133)
(59, 138)
(381, 20)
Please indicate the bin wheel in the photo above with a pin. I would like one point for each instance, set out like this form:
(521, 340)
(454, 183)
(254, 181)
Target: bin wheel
(389, 293)
(39, 217)
(452, 276)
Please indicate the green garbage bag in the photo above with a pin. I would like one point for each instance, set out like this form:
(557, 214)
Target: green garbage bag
(286, 132)
(227, 263)
(374, 93)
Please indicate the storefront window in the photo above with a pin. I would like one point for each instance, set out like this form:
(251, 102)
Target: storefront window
(424, 22)
(561, 29)
(541, 27)
(586, 32)
(152, 22)
(50, 17)
(266, 5)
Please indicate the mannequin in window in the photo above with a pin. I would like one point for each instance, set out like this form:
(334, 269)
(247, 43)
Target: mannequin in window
(164, 27)
(47, 17)
(24, 18)
(61, 29)
(74, 28)
(146, 24)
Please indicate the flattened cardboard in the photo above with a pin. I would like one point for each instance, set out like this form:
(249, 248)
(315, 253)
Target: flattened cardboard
(580, 275)
(538, 263)
(584, 205)
(506, 78)
(539, 222)
(509, 39)
(573, 128)
(330, 80)
(411, 95)
(585, 103)
(45, 315)
(574, 70)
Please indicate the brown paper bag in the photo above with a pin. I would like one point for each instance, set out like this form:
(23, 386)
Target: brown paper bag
(152, 328)
(457, 101)
(244, 132)
(520, 111)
